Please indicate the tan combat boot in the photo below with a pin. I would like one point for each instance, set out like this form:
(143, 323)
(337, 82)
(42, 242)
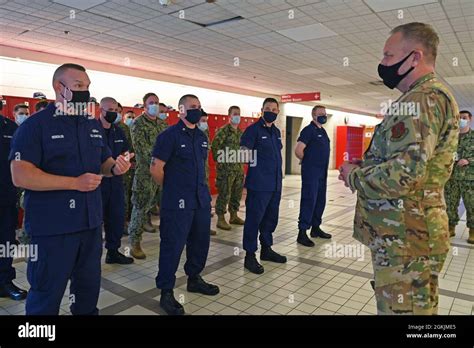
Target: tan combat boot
(137, 251)
(213, 232)
(222, 224)
(149, 227)
(470, 240)
(452, 231)
(235, 220)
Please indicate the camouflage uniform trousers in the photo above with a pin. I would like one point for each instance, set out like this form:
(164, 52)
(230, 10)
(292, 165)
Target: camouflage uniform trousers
(229, 186)
(407, 285)
(143, 195)
(127, 183)
(453, 191)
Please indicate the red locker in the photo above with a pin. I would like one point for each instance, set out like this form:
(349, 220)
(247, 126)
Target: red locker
(349, 143)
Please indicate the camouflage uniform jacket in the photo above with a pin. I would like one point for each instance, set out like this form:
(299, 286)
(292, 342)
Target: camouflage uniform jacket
(144, 132)
(227, 138)
(400, 207)
(465, 151)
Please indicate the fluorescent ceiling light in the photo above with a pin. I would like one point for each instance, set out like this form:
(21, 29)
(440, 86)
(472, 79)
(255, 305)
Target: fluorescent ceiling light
(334, 81)
(305, 71)
(387, 5)
(460, 80)
(81, 5)
(307, 32)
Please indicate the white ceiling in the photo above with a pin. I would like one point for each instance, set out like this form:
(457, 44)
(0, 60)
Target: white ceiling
(282, 47)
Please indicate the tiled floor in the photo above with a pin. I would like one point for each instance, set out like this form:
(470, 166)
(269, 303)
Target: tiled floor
(310, 283)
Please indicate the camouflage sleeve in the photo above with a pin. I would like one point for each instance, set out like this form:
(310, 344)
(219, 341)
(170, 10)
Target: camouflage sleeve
(217, 143)
(411, 142)
(140, 145)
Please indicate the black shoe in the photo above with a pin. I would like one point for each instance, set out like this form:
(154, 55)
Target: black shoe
(304, 240)
(197, 284)
(267, 254)
(12, 291)
(372, 284)
(318, 232)
(252, 264)
(169, 303)
(114, 256)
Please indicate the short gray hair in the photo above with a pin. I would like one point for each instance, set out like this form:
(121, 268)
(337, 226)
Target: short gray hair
(422, 33)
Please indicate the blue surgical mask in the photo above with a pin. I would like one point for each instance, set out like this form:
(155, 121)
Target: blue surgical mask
(235, 119)
(163, 116)
(202, 126)
(463, 123)
(129, 122)
(20, 118)
(118, 119)
(152, 109)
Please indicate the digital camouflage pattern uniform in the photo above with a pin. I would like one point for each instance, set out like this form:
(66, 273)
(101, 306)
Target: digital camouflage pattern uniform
(230, 176)
(401, 212)
(144, 132)
(461, 183)
(128, 177)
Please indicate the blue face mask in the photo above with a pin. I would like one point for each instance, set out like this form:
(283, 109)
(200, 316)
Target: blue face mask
(20, 118)
(235, 119)
(152, 109)
(129, 122)
(118, 119)
(202, 126)
(163, 116)
(322, 119)
(269, 116)
(463, 123)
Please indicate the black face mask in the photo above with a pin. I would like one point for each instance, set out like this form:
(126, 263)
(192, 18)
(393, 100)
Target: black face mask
(110, 116)
(77, 96)
(193, 116)
(322, 119)
(389, 73)
(269, 116)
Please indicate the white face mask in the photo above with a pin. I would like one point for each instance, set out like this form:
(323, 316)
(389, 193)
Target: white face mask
(463, 123)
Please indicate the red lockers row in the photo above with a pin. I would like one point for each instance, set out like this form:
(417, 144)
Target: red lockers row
(349, 143)
(214, 121)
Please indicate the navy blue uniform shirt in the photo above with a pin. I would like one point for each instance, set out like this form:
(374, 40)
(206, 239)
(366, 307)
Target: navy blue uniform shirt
(66, 146)
(117, 142)
(266, 174)
(185, 152)
(316, 153)
(7, 190)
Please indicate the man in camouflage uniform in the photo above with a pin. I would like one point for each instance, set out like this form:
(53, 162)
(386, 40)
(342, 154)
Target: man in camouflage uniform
(127, 177)
(461, 183)
(203, 125)
(230, 176)
(400, 212)
(144, 131)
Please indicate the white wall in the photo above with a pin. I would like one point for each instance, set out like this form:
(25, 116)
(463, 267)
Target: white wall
(23, 78)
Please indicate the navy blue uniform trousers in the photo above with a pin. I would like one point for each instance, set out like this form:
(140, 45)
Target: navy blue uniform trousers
(262, 208)
(179, 228)
(113, 206)
(312, 203)
(73, 256)
(8, 223)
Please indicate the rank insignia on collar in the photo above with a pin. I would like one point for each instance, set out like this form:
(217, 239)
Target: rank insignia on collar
(399, 131)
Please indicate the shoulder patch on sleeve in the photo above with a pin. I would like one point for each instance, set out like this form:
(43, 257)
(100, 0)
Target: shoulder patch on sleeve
(399, 131)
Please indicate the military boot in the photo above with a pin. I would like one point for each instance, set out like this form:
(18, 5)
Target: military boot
(222, 224)
(234, 219)
(452, 231)
(470, 240)
(148, 226)
(137, 251)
